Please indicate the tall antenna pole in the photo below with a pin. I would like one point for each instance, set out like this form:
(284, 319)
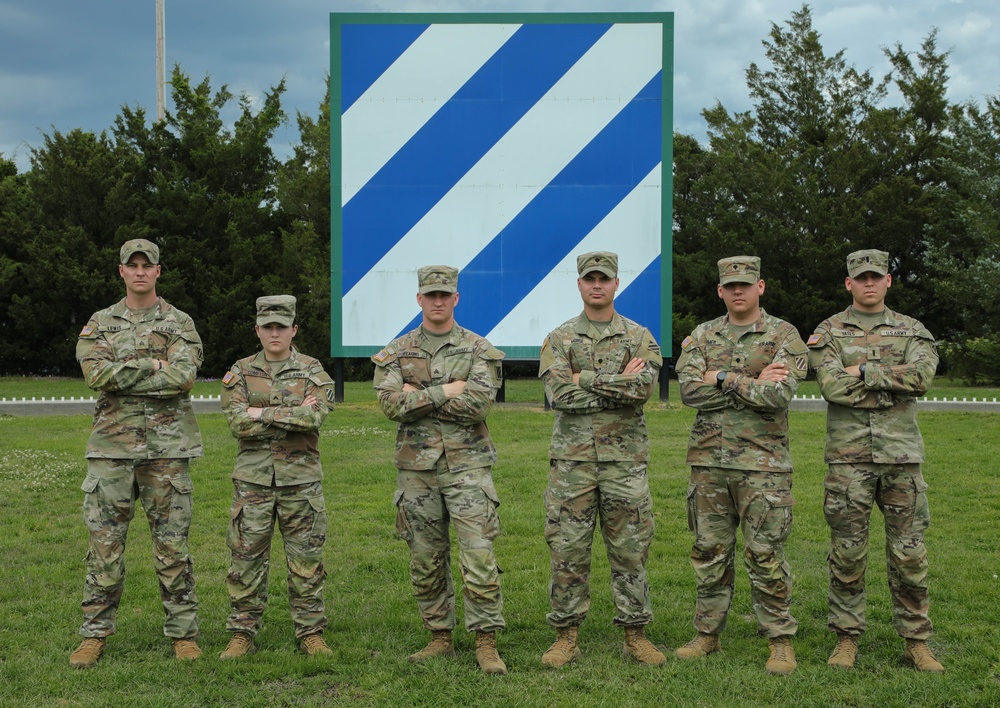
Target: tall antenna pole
(160, 73)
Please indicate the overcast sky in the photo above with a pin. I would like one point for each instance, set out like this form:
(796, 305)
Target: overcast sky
(67, 64)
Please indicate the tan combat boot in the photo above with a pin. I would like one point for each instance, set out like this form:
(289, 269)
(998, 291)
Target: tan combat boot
(641, 649)
(564, 650)
(486, 654)
(87, 654)
(186, 649)
(920, 655)
(313, 645)
(702, 645)
(240, 644)
(782, 659)
(845, 653)
(440, 645)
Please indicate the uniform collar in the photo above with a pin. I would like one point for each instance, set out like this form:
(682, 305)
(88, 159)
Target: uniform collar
(585, 327)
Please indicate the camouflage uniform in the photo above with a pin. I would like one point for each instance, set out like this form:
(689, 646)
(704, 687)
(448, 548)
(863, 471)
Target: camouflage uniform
(874, 450)
(444, 456)
(598, 458)
(277, 477)
(144, 435)
(741, 468)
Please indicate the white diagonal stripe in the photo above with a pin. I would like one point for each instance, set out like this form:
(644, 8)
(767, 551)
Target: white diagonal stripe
(509, 176)
(409, 93)
(555, 299)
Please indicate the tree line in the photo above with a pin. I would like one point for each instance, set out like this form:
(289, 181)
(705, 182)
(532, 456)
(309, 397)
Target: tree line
(829, 159)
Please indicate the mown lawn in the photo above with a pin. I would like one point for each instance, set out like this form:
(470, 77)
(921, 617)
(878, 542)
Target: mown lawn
(374, 621)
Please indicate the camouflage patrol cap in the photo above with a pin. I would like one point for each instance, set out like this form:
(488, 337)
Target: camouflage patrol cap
(278, 309)
(739, 269)
(869, 260)
(140, 245)
(602, 261)
(437, 279)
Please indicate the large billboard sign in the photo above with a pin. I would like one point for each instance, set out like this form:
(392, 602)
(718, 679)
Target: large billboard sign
(503, 145)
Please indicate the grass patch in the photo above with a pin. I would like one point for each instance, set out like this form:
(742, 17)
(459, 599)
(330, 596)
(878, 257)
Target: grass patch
(374, 622)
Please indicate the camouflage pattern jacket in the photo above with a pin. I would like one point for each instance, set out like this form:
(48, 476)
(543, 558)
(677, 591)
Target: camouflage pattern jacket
(282, 446)
(743, 425)
(141, 413)
(874, 419)
(601, 418)
(429, 424)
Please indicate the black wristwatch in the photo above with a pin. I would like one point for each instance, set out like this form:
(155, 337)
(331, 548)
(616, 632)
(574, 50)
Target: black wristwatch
(862, 370)
(719, 379)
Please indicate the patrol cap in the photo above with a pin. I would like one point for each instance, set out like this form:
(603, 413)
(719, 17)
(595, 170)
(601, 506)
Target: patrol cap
(739, 269)
(140, 245)
(278, 309)
(604, 262)
(869, 260)
(437, 279)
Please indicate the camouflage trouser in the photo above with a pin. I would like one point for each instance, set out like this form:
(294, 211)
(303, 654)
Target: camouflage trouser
(577, 493)
(164, 487)
(425, 501)
(300, 511)
(900, 492)
(759, 503)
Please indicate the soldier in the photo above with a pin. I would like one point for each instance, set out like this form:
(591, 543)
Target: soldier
(871, 364)
(439, 382)
(599, 368)
(142, 355)
(275, 402)
(740, 371)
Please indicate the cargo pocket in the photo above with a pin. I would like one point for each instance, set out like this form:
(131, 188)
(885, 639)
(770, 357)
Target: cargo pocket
(692, 508)
(491, 522)
(836, 504)
(318, 505)
(775, 522)
(234, 538)
(90, 484)
(645, 524)
(921, 509)
(403, 527)
(553, 523)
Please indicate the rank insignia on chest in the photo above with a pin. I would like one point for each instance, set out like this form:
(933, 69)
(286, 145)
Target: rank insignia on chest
(813, 340)
(228, 379)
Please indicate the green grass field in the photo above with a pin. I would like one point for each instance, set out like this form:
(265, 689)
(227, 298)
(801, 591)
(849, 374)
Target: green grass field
(374, 622)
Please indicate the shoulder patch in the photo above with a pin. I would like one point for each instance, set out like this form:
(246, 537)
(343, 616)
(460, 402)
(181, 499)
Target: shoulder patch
(813, 340)
(229, 379)
(88, 331)
(381, 356)
(687, 343)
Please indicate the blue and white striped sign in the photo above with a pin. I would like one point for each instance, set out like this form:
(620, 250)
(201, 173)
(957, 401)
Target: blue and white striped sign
(503, 145)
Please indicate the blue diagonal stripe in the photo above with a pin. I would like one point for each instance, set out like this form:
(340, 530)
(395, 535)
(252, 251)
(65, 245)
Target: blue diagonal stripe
(569, 208)
(444, 149)
(641, 300)
(372, 49)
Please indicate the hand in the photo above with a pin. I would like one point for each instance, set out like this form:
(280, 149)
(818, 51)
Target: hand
(409, 388)
(776, 372)
(160, 364)
(254, 412)
(453, 389)
(310, 401)
(576, 378)
(853, 371)
(711, 377)
(634, 366)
